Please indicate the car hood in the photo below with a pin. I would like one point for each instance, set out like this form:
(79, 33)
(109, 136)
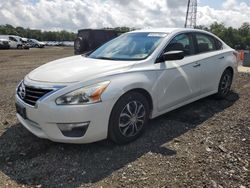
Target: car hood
(77, 68)
(4, 40)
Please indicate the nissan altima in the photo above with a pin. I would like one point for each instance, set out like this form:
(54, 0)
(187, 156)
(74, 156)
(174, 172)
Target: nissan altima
(113, 91)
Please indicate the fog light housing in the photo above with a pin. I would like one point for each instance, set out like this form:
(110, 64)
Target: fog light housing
(73, 129)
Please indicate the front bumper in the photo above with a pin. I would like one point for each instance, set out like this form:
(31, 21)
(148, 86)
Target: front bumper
(43, 120)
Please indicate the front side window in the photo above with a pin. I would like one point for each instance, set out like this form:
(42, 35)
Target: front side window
(130, 46)
(182, 42)
(205, 43)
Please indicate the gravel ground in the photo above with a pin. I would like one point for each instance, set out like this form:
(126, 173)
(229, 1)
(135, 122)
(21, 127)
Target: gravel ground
(244, 69)
(204, 144)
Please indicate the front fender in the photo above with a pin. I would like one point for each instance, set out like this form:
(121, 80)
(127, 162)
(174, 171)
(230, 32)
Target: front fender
(126, 82)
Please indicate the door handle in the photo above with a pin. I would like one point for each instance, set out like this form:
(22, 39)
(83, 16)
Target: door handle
(197, 65)
(221, 57)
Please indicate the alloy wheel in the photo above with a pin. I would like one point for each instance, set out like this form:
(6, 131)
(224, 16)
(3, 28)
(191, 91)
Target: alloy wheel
(132, 119)
(225, 84)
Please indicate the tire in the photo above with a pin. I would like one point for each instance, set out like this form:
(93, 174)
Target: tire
(80, 45)
(19, 47)
(124, 113)
(224, 85)
(77, 45)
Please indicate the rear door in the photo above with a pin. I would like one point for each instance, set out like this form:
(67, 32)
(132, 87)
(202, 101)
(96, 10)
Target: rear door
(179, 81)
(210, 53)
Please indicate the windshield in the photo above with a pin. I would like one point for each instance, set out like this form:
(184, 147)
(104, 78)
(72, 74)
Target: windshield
(34, 40)
(131, 46)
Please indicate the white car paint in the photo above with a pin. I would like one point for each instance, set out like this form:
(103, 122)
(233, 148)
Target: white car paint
(170, 84)
(68, 70)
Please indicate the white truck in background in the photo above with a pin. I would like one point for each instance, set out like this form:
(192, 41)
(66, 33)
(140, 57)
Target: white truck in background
(14, 41)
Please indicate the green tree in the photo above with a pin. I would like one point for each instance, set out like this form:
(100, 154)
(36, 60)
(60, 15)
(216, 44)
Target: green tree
(37, 34)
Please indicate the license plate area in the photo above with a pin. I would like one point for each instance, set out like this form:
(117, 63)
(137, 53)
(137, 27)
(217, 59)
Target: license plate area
(21, 110)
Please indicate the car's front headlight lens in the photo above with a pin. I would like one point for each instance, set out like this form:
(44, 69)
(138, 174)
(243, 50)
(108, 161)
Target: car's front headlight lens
(86, 95)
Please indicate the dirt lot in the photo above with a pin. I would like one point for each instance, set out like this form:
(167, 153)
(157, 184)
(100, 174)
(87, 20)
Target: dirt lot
(204, 144)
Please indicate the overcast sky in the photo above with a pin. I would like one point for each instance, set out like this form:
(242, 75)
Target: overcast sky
(75, 14)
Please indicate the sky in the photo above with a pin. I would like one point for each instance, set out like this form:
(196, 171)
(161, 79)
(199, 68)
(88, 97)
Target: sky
(72, 15)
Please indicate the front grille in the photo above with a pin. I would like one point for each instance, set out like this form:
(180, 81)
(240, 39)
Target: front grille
(5, 42)
(31, 95)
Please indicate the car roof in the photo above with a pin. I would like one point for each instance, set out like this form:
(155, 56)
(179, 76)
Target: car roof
(165, 30)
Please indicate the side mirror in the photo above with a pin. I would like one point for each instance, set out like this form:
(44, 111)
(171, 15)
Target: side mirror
(170, 56)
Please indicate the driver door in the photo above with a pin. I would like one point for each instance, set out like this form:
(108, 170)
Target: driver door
(178, 80)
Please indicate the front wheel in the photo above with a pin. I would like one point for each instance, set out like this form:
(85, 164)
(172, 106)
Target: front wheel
(128, 118)
(19, 47)
(225, 84)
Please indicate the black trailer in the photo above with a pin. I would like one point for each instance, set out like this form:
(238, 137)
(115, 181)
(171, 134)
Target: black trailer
(89, 39)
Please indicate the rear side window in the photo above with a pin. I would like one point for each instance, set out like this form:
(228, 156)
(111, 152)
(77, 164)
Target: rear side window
(205, 43)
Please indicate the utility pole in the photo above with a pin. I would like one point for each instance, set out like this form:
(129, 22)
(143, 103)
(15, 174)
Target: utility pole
(191, 14)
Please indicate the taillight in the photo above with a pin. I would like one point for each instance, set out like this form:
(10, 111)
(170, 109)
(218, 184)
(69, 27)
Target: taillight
(239, 56)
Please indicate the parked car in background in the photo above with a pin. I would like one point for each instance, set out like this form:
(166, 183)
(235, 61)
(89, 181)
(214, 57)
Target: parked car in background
(4, 44)
(68, 43)
(90, 39)
(59, 43)
(115, 90)
(25, 43)
(14, 41)
(36, 44)
(50, 43)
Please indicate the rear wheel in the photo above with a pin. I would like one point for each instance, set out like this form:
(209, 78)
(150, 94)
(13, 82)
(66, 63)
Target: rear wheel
(129, 118)
(225, 84)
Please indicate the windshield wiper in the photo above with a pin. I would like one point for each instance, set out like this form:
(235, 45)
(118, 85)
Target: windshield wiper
(106, 58)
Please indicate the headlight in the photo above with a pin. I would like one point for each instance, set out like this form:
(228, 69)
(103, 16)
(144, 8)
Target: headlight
(86, 95)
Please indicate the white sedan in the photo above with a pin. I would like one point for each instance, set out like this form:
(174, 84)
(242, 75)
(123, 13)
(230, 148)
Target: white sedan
(114, 91)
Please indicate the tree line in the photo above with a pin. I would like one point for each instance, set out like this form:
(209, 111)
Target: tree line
(236, 38)
(47, 35)
(37, 34)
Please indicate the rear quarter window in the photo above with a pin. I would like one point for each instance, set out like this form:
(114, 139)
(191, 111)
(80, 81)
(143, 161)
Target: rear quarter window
(219, 45)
